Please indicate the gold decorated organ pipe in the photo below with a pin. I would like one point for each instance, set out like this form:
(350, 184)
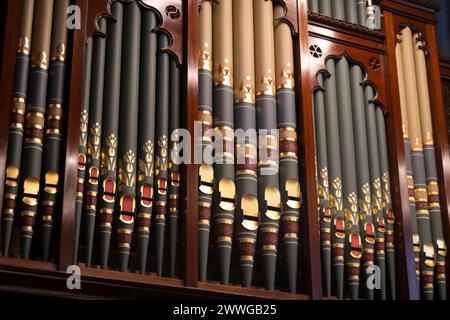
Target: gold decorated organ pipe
(437, 231)
(363, 176)
(93, 142)
(322, 183)
(205, 116)
(335, 179)
(128, 124)
(224, 199)
(375, 180)
(162, 148)
(418, 165)
(146, 137)
(409, 168)
(110, 132)
(288, 157)
(35, 119)
(53, 126)
(388, 213)
(174, 163)
(82, 151)
(353, 246)
(17, 121)
(266, 119)
(247, 215)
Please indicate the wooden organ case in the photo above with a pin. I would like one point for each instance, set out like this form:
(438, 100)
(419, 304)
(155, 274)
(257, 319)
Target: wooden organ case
(109, 197)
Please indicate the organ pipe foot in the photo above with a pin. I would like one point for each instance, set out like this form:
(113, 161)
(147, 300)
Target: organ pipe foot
(25, 245)
(142, 249)
(269, 263)
(159, 240)
(203, 246)
(6, 235)
(123, 257)
(291, 256)
(224, 260)
(326, 264)
(45, 240)
(173, 226)
(339, 276)
(90, 227)
(246, 275)
(104, 244)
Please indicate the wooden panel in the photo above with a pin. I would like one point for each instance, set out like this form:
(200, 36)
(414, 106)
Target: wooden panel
(397, 16)
(190, 96)
(405, 265)
(309, 226)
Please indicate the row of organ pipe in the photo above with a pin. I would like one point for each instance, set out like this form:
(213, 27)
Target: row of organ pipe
(128, 185)
(356, 217)
(249, 196)
(353, 11)
(32, 185)
(430, 249)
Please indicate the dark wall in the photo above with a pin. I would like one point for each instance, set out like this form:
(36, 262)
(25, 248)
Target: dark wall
(443, 28)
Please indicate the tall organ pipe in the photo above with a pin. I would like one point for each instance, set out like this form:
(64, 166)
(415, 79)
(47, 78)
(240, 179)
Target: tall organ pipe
(418, 163)
(335, 179)
(430, 166)
(224, 199)
(322, 181)
(409, 168)
(146, 135)
(82, 151)
(348, 161)
(128, 124)
(174, 167)
(248, 219)
(94, 136)
(287, 125)
(53, 126)
(206, 172)
(17, 122)
(32, 152)
(110, 132)
(364, 193)
(266, 117)
(375, 174)
(162, 148)
(388, 214)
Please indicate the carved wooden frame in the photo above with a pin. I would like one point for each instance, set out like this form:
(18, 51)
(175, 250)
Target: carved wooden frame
(420, 18)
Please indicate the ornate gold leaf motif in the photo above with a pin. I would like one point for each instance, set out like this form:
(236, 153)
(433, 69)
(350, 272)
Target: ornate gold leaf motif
(246, 93)
(83, 128)
(161, 158)
(94, 141)
(323, 192)
(336, 199)
(175, 152)
(204, 60)
(287, 76)
(268, 85)
(127, 174)
(351, 212)
(146, 164)
(224, 76)
(364, 204)
(376, 205)
(109, 156)
(386, 192)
